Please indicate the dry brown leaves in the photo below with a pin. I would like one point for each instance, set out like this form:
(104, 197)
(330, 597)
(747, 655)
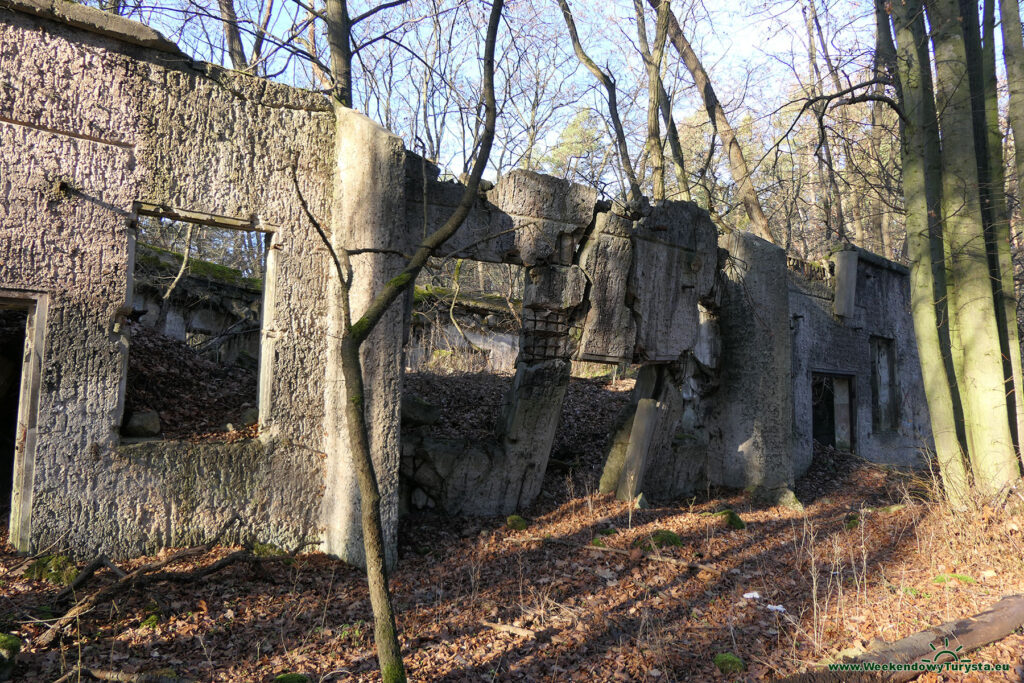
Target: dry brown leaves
(593, 616)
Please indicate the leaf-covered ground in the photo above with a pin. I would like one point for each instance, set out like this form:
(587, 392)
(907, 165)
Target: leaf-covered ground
(870, 557)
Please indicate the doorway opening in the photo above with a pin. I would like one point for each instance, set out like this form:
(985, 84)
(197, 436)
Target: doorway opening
(832, 410)
(13, 332)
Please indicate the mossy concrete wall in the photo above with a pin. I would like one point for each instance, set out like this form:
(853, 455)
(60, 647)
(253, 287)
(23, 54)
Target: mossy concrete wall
(98, 113)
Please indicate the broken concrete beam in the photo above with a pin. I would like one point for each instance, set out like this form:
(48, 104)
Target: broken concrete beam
(535, 195)
(616, 456)
(645, 424)
(708, 349)
(559, 288)
(527, 218)
(527, 430)
(675, 259)
(609, 330)
(754, 400)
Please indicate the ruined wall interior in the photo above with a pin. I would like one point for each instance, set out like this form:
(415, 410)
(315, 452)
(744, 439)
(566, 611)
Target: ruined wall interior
(127, 118)
(128, 124)
(871, 347)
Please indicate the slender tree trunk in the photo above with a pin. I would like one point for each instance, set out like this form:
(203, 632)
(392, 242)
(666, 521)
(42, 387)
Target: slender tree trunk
(232, 36)
(737, 163)
(1002, 236)
(678, 160)
(993, 460)
(1013, 57)
(356, 333)
(922, 191)
(653, 59)
(339, 40)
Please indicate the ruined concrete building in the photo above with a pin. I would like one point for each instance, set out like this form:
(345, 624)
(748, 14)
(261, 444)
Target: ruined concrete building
(103, 123)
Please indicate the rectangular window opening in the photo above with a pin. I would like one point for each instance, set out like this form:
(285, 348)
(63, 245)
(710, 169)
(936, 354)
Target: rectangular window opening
(198, 312)
(466, 317)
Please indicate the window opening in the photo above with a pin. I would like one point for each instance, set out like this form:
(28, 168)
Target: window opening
(465, 317)
(197, 315)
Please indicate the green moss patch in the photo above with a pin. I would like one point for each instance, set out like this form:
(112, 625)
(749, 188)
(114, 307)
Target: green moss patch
(10, 646)
(728, 663)
(516, 522)
(950, 578)
(732, 520)
(662, 538)
(56, 569)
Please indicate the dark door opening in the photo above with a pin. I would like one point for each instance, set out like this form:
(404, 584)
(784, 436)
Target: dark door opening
(12, 351)
(832, 410)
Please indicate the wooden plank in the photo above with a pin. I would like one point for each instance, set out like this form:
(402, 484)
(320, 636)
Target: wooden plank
(209, 219)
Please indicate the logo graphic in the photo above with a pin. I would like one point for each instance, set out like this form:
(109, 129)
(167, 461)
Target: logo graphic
(946, 651)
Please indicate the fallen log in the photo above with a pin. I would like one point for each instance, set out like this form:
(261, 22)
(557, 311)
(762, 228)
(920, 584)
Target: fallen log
(118, 676)
(509, 628)
(941, 645)
(83, 576)
(952, 640)
(139, 577)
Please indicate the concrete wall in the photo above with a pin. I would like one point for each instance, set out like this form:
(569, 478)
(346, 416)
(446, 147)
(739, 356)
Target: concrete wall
(93, 120)
(827, 343)
(752, 408)
(101, 118)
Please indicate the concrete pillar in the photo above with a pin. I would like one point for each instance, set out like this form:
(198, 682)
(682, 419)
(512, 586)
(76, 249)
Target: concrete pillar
(368, 213)
(645, 423)
(846, 283)
(841, 408)
(754, 403)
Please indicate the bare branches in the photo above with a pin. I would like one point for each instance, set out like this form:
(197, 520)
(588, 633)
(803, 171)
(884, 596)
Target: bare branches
(359, 331)
(613, 108)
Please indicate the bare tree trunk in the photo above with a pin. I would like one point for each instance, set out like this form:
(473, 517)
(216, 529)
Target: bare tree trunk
(1001, 236)
(652, 59)
(613, 107)
(993, 460)
(339, 38)
(356, 333)
(1013, 57)
(737, 163)
(922, 190)
(232, 36)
